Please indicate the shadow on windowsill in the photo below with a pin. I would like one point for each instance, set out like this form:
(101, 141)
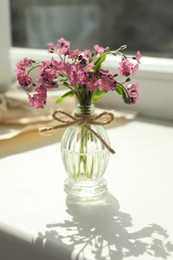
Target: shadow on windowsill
(99, 230)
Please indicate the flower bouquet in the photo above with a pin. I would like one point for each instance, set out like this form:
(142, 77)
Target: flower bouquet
(85, 146)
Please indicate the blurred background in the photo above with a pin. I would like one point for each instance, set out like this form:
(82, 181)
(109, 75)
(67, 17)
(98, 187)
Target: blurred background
(145, 25)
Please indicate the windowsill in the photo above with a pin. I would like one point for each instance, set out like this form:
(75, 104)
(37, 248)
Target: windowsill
(34, 207)
(149, 64)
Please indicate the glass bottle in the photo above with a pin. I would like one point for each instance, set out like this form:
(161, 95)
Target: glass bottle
(85, 157)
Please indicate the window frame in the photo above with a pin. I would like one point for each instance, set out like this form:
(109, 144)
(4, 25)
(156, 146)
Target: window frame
(5, 45)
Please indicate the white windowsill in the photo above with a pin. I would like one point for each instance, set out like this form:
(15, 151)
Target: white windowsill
(149, 64)
(139, 178)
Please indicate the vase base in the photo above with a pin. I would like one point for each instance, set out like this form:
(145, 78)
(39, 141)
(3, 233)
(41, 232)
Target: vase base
(85, 189)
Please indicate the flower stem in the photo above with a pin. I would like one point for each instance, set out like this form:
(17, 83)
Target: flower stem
(33, 67)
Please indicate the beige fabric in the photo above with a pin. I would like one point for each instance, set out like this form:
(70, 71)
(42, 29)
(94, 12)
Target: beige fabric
(27, 141)
(17, 116)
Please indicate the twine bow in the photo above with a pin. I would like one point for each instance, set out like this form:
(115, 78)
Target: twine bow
(104, 118)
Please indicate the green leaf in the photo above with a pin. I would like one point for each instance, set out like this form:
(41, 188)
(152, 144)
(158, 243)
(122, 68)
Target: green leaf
(99, 61)
(66, 95)
(124, 93)
(121, 90)
(97, 95)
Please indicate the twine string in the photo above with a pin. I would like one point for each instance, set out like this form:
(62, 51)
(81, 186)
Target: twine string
(104, 118)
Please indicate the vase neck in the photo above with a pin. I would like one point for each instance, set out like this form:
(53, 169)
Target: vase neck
(85, 110)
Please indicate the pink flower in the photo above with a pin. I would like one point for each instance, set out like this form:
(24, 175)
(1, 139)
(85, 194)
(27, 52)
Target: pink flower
(74, 78)
(138, 56)
(106, 83)
(67, 68)
(50, 46)
(63, 46)
(87, 54)
(125, 67)
(89, 67)
(98, 49)
(38, 100)
(58, 65)
(74, 54)
(23, 64)
(49, 74)
(64, 43)
(133, 92)
(45, 64)
(103, 71)
(135, 69)
(83, 78)
(92, 84)
(24, 80)
(64, 50)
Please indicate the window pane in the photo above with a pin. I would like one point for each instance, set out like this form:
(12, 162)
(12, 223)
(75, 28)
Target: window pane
(145, 25)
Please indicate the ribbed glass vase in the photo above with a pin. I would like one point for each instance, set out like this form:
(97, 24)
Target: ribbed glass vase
(85, 157)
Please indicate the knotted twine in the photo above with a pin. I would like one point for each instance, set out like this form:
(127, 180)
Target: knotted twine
(104, 118)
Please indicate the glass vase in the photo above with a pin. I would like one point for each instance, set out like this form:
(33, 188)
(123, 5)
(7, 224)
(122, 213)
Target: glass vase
(85, 157)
